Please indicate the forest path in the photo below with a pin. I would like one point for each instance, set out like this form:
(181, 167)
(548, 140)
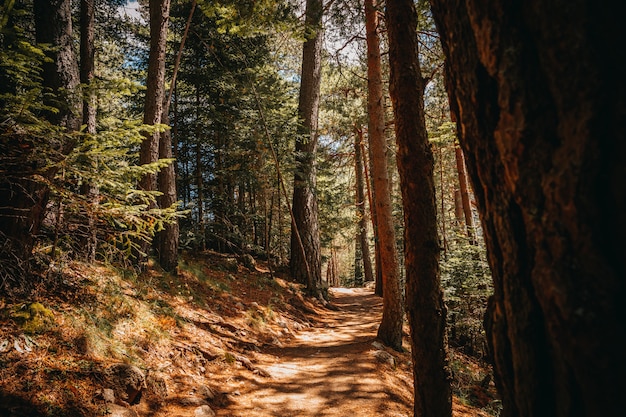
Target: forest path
(328, 370)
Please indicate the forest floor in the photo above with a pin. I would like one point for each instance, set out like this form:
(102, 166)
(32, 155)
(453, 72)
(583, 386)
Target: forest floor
(218, 339)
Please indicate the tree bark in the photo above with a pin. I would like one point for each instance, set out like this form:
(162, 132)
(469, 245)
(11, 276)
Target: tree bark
(390, 329)
(540, 99)
(155, 99)
(307, 267)
(87, 70)
(155, 87)
(465, 200)
(53, 23)
(363, 241)
(167, 239)
(426, 310)
(367, 167)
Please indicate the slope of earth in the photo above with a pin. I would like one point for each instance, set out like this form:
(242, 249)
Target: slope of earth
(218, 339)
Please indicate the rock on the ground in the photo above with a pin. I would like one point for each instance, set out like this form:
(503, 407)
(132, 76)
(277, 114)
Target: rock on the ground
(206, 392)
(378, 345)
(108, 395)
(115, 410)
(192, 400)
(204, 411)
(385, 357)
(156, 385)
(248, 261)
(127, 381)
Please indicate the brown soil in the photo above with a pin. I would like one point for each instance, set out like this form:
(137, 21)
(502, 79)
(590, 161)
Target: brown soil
(235, 340)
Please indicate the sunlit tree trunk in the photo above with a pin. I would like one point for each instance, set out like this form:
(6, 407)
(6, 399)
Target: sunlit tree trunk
(390, 329)
(426, 310)
(306, 262)
(540, 100)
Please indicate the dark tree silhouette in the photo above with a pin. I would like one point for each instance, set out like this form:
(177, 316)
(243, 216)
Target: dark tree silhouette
(540, 100)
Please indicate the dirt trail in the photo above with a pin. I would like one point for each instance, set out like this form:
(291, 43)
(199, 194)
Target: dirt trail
(327, 370)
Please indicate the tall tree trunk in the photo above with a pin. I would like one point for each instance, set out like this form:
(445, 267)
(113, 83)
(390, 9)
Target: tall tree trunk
(465, 200)
(444, 234)
(24, 198)
(88, 63)
(167, 239)
(362, 239)
(87, 69)
(53, 23)
(367, 167)
(540, 99)
(200, 194)
(155, 87)
(426, 310)
(307, 267)
(390, 329)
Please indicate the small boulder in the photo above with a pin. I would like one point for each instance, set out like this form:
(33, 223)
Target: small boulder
(385, 357)
(248, 261)
(108, 395)
(378, 345)
(127, 381)
(115, 410)
(204, 411)
(156, 386)
(206, 392)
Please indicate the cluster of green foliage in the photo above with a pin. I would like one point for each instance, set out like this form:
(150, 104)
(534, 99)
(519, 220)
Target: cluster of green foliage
(33, 150)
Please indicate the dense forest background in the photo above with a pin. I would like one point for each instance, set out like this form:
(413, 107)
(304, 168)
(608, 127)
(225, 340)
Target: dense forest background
(233, 120)
(329, 141)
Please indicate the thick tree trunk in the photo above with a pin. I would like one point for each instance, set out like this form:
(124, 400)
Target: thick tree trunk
(426, 310)
(155, 87)
(53, 22)
(307, 267)
(540, 100)
(390, 330)
(363, 241)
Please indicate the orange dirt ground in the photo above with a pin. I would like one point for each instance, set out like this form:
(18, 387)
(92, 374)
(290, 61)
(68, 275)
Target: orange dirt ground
(231, 339)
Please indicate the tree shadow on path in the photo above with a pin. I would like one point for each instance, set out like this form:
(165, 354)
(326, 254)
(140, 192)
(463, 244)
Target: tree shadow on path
(329, 370)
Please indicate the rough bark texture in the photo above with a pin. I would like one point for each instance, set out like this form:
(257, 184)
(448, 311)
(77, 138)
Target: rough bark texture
(53, 22)
(307, 267)
(390, 330)
(87, 70)
(167, 239)
(87, 63)
(426, 311)
(155, 86)
(363, 241)
(155, 98)
(540, 99)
